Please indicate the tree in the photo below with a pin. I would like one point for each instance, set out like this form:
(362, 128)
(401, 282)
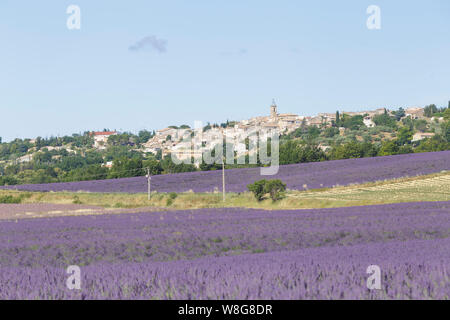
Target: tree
(430, 110)
(389, 148)
(385, 120)
(446, 130)
(420, 125)
(354, 149)
(153, 165)
(353, 123)
(258, 189)
(144, 136)
(404, 136)
(400, 113)
(446, 116)
(124, 167)
(275, 188)
(436, 143)
(330, 132)
(294, 152)
(338, 119)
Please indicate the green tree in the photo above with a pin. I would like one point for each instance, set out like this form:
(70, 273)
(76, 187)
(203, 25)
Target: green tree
(258, 189)
(125, 167)
(430, 110)
(389, 148)
(385, 120)
(446, 115)
(404, 136)
(154, 166)
(275, 188)
(400, 113)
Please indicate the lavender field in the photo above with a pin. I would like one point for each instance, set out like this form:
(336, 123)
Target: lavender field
(232, 254)
(297, 176)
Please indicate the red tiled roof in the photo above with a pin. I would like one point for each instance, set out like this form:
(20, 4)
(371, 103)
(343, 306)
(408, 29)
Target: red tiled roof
(103, 133)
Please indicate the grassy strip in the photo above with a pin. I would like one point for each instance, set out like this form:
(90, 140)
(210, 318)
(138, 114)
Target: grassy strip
(425, 188)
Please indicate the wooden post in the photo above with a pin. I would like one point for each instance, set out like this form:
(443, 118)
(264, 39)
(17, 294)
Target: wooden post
(148, 183)
(223, 179)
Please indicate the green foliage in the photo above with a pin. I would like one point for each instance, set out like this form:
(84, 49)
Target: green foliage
(124, 139)
(330, 132)
(144, 136)
(275, 188)
(171, 199)
(353, 123)
(446, 130)
(10, 199)
(385, 120)
(404, 136)
(389, 148)
(8, 181)
(258, 189)
(76, 200)
(90, 172)
(400, 113)
(173, 195)
(125, 167)
(354, 149)
(296, 152)
(430, 110)
(446, 113)
(169, 166)
(154, 166)
(436, 143)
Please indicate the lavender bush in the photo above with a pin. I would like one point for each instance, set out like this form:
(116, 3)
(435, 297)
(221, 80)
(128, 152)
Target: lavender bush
(232, 254)
(296, 176)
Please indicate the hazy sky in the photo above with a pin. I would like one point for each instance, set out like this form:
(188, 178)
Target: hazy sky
(150, 64)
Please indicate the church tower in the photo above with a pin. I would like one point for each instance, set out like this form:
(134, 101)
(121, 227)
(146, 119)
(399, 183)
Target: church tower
(273, 111)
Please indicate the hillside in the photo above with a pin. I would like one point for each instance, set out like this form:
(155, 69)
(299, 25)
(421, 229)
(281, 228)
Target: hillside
(297, 176)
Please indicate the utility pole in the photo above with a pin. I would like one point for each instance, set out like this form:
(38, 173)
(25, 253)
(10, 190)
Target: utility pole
(223, 179)
(148, 182)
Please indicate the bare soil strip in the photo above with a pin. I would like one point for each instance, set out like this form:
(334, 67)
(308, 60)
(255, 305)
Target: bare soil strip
(45, 210)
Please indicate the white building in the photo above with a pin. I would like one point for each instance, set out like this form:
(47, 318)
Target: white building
(368, 122)
(101, 138)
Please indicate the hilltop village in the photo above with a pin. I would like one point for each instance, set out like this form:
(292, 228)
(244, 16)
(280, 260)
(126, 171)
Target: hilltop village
(326, 136)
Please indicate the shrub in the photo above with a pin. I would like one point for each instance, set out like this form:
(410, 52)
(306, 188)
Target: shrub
(257, 188)
(275, 188)
(173, 195)
(76, 200)
(10, 199)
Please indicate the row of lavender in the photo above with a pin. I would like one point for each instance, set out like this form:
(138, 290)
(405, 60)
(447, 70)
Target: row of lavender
(212, 232)
(297, 176)
(416, 269)
(232, 254)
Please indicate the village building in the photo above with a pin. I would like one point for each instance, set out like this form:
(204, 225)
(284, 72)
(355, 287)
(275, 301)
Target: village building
(101, 138)
(422, 135)
(414, 113)
(368, 122)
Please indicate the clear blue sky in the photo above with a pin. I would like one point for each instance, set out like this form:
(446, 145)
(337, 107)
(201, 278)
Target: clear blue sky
(223, 60)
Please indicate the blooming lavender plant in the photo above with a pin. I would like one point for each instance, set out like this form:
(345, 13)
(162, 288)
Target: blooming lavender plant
(232, 254)
(297, 176)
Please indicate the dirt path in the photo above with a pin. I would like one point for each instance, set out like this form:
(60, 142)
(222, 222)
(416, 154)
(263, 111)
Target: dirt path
(45, 210)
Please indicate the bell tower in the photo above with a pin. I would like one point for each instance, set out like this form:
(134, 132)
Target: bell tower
(273, 110)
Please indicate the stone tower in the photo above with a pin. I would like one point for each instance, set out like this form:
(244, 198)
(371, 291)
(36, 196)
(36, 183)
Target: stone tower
(273, 110)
